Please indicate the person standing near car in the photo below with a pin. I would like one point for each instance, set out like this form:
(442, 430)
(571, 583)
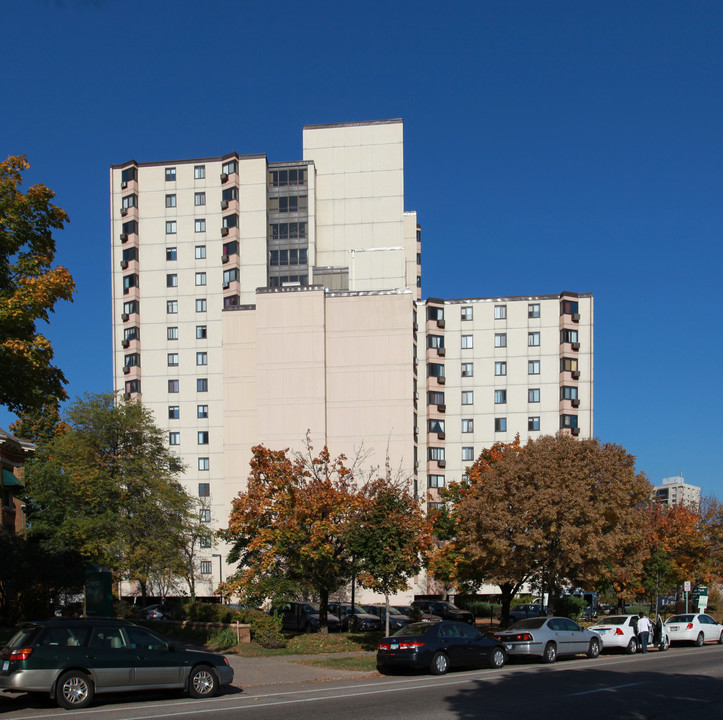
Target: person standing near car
(644, 628)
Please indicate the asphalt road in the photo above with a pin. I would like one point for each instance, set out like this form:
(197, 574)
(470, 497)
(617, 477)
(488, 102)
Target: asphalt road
(683, 682)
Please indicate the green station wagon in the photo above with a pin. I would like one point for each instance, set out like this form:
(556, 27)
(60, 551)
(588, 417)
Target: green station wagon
(73, 659)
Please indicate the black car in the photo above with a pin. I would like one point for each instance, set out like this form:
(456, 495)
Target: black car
(438, 647)
(397, 619)
(445, 610)
(364, 620)
(303, 617)
(73, 659)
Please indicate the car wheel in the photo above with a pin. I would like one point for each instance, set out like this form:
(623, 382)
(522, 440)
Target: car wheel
(549, 655)
(203, 682)
(308, 628)
(699, 640)
(665, 643)
(74, 690)
(498, 658)
(632, 647)
(440, 664)
(594, 650)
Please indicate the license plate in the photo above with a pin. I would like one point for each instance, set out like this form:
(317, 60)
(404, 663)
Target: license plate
(674, 628)
(394, 646)
(6, 665)
(602, 632)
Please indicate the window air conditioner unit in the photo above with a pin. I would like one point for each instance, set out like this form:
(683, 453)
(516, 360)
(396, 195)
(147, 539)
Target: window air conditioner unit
(441, 436)
(440, 323)
(224, 204)
(226, 285)
(441, 408)
(224, 231)
(575, 431)
(123, 237)
(441, 380)
(124, 317)
(126, 369)
(576, 317)
(224, 177)
(124, 185)
(441, 463)
(575, 346)
(575, 374)
(224, 258)
(126, 342)
(441, 352)
(124, 264)
(575, 403)
(124, 211)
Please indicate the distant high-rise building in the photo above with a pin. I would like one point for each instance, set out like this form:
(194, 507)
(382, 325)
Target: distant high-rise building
(675, 491)
(255, 301)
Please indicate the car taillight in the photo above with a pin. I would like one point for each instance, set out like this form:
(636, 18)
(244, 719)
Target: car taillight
(21, 654)
(619, 631)
(410, 645)
(383, 646)
(690, 626)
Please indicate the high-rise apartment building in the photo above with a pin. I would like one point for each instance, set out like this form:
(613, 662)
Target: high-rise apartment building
(675, 491)
(255, 301)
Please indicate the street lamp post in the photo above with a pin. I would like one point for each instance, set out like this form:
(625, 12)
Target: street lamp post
(220, 567)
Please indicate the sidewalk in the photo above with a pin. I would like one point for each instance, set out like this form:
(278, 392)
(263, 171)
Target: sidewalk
(287, 669)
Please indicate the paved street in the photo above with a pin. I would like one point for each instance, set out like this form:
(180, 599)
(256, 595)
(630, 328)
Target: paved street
(684, 682)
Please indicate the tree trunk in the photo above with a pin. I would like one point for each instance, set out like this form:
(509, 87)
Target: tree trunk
(324, 612)
(507, 594)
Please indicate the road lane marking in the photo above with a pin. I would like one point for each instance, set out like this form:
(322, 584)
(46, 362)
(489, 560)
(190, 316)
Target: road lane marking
(605, 689)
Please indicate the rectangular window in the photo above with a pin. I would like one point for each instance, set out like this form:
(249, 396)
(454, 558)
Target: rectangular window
(467, 425)
(170, 201)
(130, 254)
(201, 384)
(467, 397)
(172, 307)
(199, 198)
(533, 310)
(435, 481)
(200, 252)
(533, 367)
(230, 221)
(568, 336)
(201, 332)
(172, 359)
(568, 421)
(199, 172)
(568, 364)
(230, 276)
(465, 312)
(204, 515)
(130, 227)
(533, 395)
(129, 174)
(173, 412)
(205, 564)
(132, 360)
(500, 368)
(199, 225)
(133, 386)
(567, 392)
(533, 339)
(202, 411)
(131, 307)
(533, 423)
(467, 454)
(203, 437)
(231, 248)
(129, 281)
(500, 397)
(500, 340)
(569, 307)
(229, 167)
(173, 386)
(200, 278)
(132, 333)
(205, 542)
(171, 280)
(170, 227)
(467, 369)
(172, 333)
(435, 398)
(201, 305)
(204, 489)
(435, 370)
(171, 254)
(130, 201)
(500, 312)
(171, 174)
(204, 463)
(174, 438)
(500, 424)
(201, 358)
(467, 342)
(435, 313)
(435, 453)
(435, 426)
(435, 341)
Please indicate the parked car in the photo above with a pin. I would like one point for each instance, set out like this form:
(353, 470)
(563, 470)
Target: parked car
(73, 659)
(521, 612)
(303, 617)
(697, 628)
(397, 619)
(416, 614)
(549, 638)
(621, 632)
(438, 647)
(445, 610)
(154, 612)
(364, 621)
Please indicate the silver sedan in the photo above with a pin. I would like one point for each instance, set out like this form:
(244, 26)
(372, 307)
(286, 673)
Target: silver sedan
(549, 638)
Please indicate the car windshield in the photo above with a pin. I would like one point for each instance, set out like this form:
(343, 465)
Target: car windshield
(615, 620)
(529, 624)
(394, 611)
(414, 629)
(680, 618)
(311, 607)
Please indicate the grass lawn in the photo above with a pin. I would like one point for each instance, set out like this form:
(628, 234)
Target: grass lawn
(362, 663)
(315, 644)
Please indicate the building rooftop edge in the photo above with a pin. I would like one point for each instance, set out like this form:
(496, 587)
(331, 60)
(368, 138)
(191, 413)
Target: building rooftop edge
(363, 123)
(501, 298)
(215, 158)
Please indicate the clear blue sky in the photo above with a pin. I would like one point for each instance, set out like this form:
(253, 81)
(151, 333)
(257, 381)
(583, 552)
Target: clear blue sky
(549, 146)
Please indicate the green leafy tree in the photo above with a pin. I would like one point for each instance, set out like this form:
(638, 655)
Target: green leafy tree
(29, 289)
(108, 490)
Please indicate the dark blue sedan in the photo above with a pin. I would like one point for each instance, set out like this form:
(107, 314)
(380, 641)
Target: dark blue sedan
(439, 646)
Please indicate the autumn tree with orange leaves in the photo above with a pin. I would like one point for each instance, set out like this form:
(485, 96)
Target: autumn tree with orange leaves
(29, 289)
